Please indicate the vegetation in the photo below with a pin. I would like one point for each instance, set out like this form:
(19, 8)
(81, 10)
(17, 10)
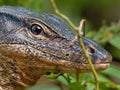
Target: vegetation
(107, 34)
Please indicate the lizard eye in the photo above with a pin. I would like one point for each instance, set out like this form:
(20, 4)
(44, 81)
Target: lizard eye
(36, 29)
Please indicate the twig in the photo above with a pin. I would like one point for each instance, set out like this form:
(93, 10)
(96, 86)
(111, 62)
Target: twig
(82, 23)
(67, 78)
(79, 31)
(62, 16)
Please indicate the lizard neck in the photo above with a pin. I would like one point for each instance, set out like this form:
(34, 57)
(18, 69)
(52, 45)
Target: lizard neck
(15, 76)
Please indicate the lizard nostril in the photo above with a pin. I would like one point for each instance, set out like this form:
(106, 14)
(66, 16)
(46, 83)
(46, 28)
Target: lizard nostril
(67, 54)
(90, 49)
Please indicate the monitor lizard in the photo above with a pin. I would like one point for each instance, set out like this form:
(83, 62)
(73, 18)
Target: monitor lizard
(32, 43)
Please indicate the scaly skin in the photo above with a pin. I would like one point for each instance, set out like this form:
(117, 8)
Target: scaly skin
(32, 44)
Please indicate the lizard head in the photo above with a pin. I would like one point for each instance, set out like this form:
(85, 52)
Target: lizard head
(43, 40)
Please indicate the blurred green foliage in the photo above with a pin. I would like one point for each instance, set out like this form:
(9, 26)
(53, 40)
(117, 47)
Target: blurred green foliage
(102, 26)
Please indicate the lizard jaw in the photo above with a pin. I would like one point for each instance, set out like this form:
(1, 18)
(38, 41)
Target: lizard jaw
(80, 69)
(61, 66)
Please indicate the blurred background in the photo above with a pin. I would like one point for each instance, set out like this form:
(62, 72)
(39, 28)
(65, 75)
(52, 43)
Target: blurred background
(103, 25)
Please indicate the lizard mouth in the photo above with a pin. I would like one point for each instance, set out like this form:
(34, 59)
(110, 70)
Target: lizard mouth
(60, 66)
(78, 69)
(64, 66)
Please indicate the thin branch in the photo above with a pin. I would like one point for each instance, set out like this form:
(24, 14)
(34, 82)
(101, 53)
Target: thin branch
(82, 23)
(62, 16)
(79, 31)
(67, 78)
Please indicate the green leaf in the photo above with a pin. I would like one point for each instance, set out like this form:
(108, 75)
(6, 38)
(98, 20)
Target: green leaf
(52, 75)
(82, 86)
(115, 41)
(108, 86)
(113, 71)
(76, 86)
